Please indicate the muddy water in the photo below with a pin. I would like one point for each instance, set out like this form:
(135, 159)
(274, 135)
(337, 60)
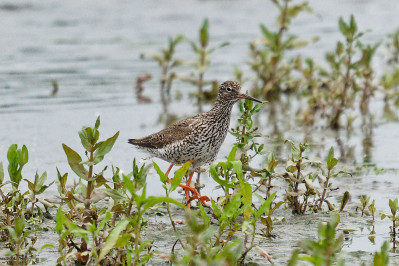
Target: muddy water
(93, 50)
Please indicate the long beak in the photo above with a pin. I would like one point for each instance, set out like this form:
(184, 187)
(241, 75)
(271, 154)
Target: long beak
(245, 96)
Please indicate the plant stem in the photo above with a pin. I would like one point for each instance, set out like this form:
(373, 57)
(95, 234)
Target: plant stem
(33, 203)
(242, 258)
(347, 82)
(163, 83)
(269, 185)
(173, 222)
(394, 231)
(298, 176)
(137, 237)
(90, 182)
(325, 190)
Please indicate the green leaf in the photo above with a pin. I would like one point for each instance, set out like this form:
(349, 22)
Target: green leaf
(179, 175)
(232, 154)
(246, 191)
(382, 258)
(19, 225)
(59, 219)
(103, 222)
(86, 138)
(97, 124)
(123, 240)
(268, 34)
(74, 161)
(16, 160)
(31, 186)
(205, 217)
(41, 181)
(113, 237)
(393, 205)
(114, 194)
(204, 33)
(265, 207)
(215, 176)
(353, 25)
(232, 207)
(162, 176)
(331, 161)
(215, 208)
(127, 183)
(237, 167)
(12, 153)
(343, 27)
(76, 230)
(24, 156)
(151, 201)
(104, 147)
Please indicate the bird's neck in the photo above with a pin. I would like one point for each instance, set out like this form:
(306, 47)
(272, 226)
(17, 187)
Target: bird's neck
(221, 109)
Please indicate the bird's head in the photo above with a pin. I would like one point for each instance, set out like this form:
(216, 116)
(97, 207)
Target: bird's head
(230, 91)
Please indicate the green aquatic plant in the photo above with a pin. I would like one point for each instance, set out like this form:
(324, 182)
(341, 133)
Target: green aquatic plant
(382, 258)
(390, 79)
(301, 186)
(394, 217)
(203, 52)
(344, 85)
(294, 177)
(245, 132)
(111, 234)
(14, 209)
(331, 162)
(22, 244)
(393, 47)
(265, 212)
(267, 54)
(324, 250)
(364, 201)
(38, 187)
(372, 209)
(95, 151)
(17, 158)
(167, 62)
(203, 248)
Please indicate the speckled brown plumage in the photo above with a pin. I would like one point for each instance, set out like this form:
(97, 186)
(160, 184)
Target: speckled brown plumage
(197, 138)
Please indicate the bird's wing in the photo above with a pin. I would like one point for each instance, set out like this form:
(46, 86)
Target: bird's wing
(174, 132)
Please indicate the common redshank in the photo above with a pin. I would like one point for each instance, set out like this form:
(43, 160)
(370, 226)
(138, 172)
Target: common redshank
(197, 139)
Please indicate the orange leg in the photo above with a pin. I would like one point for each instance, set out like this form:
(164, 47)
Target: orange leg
(195, 194)
(168, 171)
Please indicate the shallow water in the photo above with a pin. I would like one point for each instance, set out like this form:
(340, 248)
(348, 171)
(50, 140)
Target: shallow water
(93, 50)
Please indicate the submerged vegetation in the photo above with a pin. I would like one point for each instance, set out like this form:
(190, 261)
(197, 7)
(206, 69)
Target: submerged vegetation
(103, 217)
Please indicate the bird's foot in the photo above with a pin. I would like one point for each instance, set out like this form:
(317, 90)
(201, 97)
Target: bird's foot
(202, 199)
(194, 195)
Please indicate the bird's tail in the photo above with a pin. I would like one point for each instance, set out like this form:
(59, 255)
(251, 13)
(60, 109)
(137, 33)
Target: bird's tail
(133, 141)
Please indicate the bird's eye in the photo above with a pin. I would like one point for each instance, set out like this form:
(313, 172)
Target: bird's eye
(228, 89)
